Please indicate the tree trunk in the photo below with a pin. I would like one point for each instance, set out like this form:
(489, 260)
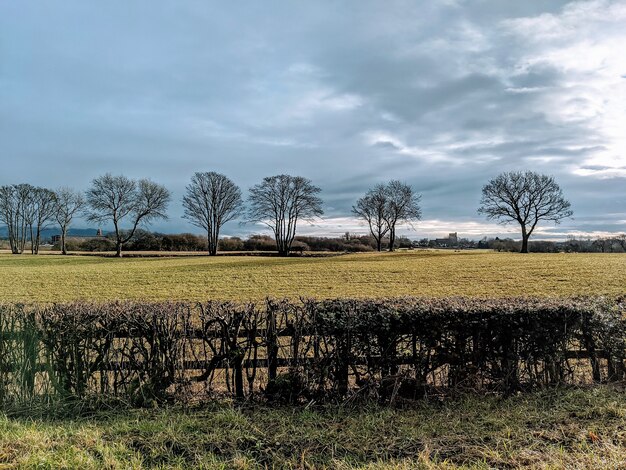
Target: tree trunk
(524, 244)
(525, 237)
(32, 241)
(392, 239)
(282, 247)
(378, 244)
(212, 240)
(63, 250)
(118, 249)
(37, 240)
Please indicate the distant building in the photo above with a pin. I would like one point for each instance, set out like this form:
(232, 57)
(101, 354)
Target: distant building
(451, 240)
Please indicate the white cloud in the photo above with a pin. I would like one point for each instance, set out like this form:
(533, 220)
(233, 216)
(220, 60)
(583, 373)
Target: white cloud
(586, 42)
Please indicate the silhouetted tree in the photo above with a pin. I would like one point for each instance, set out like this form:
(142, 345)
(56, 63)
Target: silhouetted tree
(211, 200)
(526, 198)
(41, 210)
(68, 204)
(117, 199)
(621, 241)
(401, 206)
(280, 202)
(14, 202)
(372, 209)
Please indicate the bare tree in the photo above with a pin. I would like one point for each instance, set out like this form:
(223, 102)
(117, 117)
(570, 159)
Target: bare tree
(526, 198)
(605, 245)
(211, 200)
(14, 200)
(29, 212)
(42, 209)
(117, 199)
(68, 204)
(372, 209)
(401, 206)
(621, 241)
(280, 202)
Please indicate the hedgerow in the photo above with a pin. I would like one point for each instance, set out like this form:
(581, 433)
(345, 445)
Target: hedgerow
(280, 350)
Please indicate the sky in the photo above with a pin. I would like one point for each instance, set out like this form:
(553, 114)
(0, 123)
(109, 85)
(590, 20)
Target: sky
(441, 95)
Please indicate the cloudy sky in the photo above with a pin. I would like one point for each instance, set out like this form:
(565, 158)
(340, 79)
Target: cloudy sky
(443, 95)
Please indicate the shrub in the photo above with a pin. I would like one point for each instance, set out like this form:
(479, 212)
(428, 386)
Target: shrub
(97, 244)
(184, 242)
(259, 243)
(231, 244)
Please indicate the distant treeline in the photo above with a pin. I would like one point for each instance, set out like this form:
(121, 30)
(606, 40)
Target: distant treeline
(616, 244)
(144, 240)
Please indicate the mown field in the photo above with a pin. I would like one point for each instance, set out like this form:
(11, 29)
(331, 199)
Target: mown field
(50, 278)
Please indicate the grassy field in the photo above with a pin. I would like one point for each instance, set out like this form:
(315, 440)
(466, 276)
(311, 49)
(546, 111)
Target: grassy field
(575, 428)
(419, 273)
(556, 429)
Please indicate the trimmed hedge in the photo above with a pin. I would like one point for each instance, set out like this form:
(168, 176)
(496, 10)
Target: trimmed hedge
(295, 351)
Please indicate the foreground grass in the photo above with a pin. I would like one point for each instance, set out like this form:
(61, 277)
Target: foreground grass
(53, 278)
(553, 429)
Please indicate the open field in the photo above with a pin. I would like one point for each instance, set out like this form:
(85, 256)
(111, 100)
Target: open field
(53, 278)
(554, 429)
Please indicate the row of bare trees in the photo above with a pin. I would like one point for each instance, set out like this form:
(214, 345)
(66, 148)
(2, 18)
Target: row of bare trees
(280, 202)
(27, 210)
(211, 200)
(525, 198)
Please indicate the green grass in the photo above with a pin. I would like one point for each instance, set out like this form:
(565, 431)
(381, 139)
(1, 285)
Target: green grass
(554, 429)
(50, 278)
